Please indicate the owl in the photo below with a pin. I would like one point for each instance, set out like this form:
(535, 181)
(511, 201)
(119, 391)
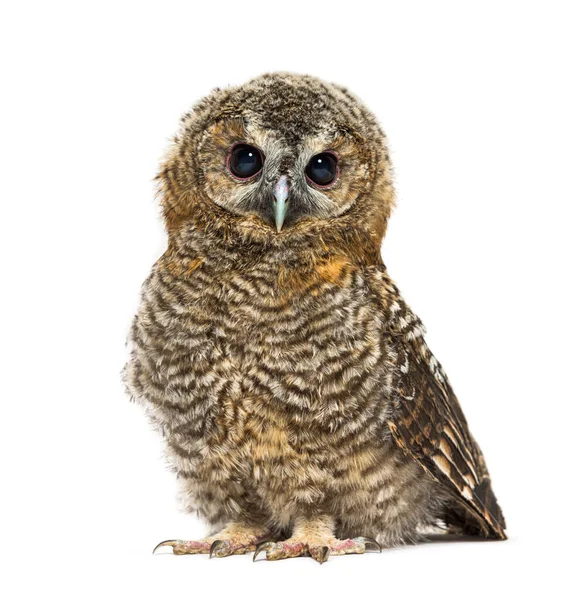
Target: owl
(302, 411)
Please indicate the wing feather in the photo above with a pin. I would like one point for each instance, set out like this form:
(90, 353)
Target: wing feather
(428, 423)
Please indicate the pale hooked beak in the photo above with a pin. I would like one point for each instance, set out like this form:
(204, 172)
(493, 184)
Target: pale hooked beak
(280, 202)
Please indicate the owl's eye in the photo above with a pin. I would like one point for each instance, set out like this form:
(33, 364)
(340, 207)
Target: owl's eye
(244, 161)
(323, 169)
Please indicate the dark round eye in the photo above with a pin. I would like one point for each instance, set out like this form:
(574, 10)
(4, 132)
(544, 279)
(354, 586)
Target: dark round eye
(322, 169)
(244, 161)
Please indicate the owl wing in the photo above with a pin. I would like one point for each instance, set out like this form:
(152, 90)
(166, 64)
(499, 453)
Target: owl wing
(428, 423)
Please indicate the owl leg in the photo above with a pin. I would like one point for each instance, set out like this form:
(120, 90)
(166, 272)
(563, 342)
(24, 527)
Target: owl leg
(314, 537)
(235, 538)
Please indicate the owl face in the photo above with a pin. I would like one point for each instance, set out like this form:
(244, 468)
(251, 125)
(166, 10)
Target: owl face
(253, 169)
(279, 157)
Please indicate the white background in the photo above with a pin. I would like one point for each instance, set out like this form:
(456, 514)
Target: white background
(481, 105)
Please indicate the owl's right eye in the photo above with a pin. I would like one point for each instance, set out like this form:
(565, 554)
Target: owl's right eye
(244, 161)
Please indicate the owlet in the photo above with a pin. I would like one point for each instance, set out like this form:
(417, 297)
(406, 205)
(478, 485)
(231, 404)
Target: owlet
(301, 409)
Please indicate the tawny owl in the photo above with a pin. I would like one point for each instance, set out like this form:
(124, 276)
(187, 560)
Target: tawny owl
(302, 411)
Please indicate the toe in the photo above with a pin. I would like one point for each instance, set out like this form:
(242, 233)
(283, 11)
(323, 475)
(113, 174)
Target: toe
(285, 550)
(183, 547)
(193, 547)
(280, 550)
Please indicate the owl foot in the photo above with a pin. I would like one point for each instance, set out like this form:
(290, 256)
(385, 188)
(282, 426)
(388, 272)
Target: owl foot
(234, 539)
(319, 550)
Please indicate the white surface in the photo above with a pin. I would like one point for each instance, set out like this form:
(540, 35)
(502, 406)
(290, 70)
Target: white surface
(481, 107)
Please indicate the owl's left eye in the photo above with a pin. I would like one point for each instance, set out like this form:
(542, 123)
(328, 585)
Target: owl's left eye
(322, 169)
(244, 161)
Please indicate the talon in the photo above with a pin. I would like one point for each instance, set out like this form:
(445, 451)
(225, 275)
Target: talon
(370, 542)
(216, 546)
(261, 546)
(324, 554)
(171, 543)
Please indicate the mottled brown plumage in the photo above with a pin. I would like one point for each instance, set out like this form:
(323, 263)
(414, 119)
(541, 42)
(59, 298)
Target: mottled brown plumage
(290, 380)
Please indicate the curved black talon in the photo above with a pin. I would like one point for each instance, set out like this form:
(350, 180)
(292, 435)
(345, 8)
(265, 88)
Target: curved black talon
(171, 543)
(325, 554)
(261, 546)
(370, 542)
(216, 545)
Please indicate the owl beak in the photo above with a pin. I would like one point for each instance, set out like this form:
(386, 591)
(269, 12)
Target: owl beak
(280, 202)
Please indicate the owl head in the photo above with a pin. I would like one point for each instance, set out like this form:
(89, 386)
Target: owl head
(282, 161)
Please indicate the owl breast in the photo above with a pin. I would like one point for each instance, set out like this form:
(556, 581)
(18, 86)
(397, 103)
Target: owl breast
(263, 378)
